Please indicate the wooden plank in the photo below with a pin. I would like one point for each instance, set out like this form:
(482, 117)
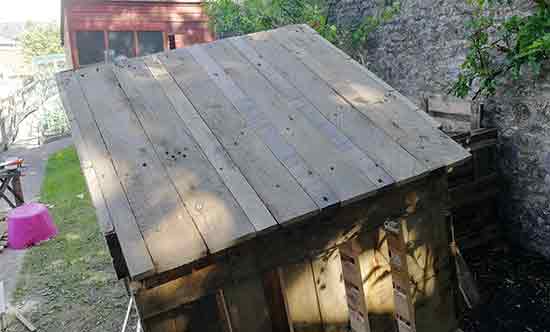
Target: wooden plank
(218, 216)
(365, 163)
(277, 304)
(133, 246)
(303, 82)
(327, 271)
(301, 295)
(103, 218)
(383, 105)
(345, 173)
(22, 319)
(186, 289)
(353, 281)
(245, 195)
(160, 213)
(223, 312)
(450, 116)
(247, 305)
(403, 297)
(281, 194)
(259, 122)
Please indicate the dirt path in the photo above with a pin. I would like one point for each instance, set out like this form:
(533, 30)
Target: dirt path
(35, 161)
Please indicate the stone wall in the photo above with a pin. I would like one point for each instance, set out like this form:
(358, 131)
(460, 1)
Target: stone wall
(419, 53)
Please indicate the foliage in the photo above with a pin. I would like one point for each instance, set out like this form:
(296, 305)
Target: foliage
(40, 39)
(230, 18)
(503, 47)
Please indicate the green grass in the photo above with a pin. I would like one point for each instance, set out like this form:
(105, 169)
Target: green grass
(69, 281)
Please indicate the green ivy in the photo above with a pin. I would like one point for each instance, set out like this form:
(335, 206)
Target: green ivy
(230, 18)
(503, 47)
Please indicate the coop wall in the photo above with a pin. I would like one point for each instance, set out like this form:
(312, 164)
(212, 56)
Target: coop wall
(310, 295)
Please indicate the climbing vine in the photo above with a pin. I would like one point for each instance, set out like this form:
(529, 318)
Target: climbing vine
(230, 18)
(503, 47)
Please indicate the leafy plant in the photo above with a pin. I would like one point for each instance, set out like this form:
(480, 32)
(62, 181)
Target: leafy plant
(40, 39)
(502, 48)
(230, 18)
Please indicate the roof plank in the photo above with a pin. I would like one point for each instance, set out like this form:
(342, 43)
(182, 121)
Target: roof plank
(217, 215)
(279, 191)
(93, 149)
(257, 121)
(370, 167)
(257, 212)
(372, 140)
(385, 107)
(160, 214)
(343, 171)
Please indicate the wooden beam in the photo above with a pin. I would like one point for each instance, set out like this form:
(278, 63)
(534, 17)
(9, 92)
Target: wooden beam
(404, 308)
(353, 281)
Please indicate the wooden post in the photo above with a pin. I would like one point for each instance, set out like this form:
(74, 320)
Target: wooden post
(404, 309)
(353, 282)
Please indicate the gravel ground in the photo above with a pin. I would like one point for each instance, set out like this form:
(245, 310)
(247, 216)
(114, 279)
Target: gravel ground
(515, 286)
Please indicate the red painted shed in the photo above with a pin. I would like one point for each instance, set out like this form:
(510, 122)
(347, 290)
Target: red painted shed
(94, 29)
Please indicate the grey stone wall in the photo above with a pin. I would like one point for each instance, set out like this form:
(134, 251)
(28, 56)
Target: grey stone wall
(419, 53)
(521, 112)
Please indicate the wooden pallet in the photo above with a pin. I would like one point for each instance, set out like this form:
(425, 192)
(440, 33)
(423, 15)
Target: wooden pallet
(473, 189)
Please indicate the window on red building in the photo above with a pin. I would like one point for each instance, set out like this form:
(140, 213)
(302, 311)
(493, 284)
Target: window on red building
(150, 42)
(122, 43)
(91, 47)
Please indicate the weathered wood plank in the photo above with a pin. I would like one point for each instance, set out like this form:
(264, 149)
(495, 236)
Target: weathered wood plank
(342, 172)
(353, 282)
(301, 294)
(384, 106)
(248, 306)
(257, 121)
(133, 246)
(281, 194)
(245, 195)
(297, 101)
(186, 289)
(160, 213)
(277, 304)
(327, 271)
(102, 214)
(360, 129)
(214, 210)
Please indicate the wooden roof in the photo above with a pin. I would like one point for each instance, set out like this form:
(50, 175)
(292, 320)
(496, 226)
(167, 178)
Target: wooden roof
(189, 152)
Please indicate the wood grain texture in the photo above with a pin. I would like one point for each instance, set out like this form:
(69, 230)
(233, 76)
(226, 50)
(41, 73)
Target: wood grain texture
(371, 139)
(301, 295)
(102, 214)
(258, 121)
(383, 105)
(327, 271)
(133, 246)
(160, 213)
(342, 172)
(279, 191)
(248, 306)
(298, 102)
(217, 215)
(245, 195)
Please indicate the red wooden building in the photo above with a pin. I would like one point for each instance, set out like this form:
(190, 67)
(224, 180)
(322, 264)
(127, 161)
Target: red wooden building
(94, 29)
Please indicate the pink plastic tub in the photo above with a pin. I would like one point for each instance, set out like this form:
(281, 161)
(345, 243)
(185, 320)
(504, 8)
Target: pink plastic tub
(28, 225)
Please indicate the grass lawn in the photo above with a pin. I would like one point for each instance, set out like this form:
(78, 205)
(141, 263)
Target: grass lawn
(68, 284)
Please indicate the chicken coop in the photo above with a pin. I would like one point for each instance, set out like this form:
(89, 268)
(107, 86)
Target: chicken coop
(267, 183)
